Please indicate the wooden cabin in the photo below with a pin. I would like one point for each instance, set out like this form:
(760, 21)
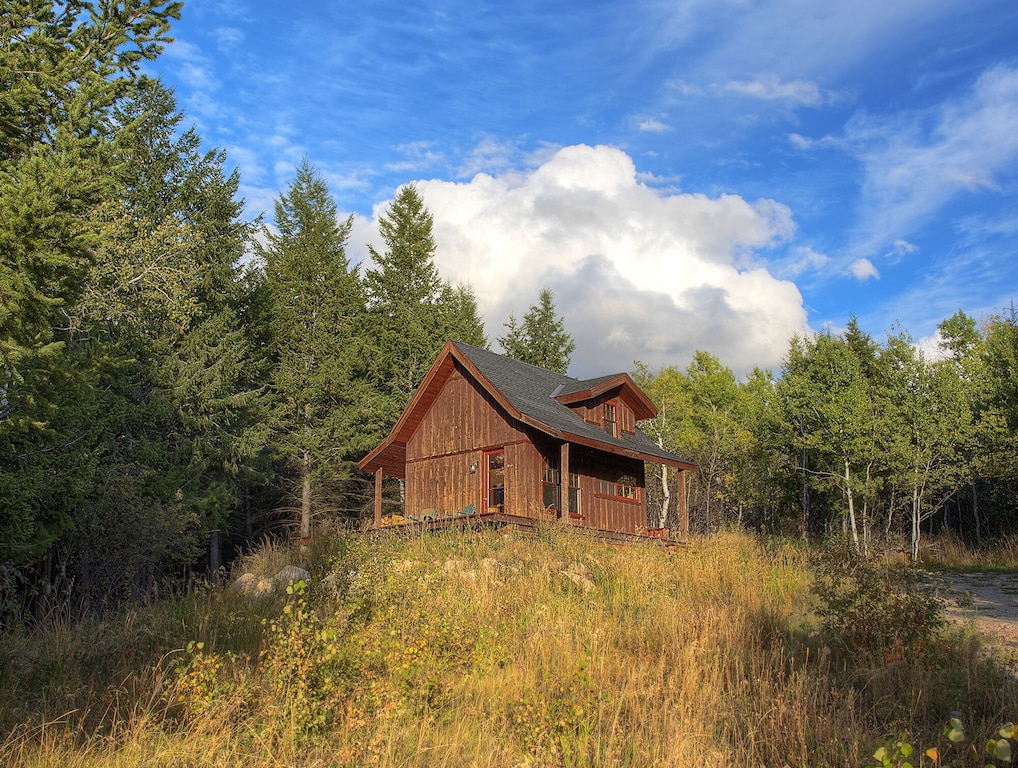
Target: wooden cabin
(490, 436)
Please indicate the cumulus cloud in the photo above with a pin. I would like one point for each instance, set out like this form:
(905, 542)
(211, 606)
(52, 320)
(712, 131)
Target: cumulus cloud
(863, 269)
(638, 274)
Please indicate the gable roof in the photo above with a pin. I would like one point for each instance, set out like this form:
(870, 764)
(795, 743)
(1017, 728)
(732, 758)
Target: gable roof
(531, 395)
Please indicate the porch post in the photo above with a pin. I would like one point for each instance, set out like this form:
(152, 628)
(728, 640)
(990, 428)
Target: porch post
(564, 481)
(683, 508)
(378, 498)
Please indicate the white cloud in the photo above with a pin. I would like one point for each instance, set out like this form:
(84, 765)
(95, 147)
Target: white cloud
(637, 273)
(418, 155)
(651, 125)
(863, 269)
(489, 156)
(899, 250)
(771, 88)
(803, 259)
(918, 163)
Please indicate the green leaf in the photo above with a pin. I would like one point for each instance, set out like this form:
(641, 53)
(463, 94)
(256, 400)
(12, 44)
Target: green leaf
(1007, 731)
(905, 749)
(1000, 749)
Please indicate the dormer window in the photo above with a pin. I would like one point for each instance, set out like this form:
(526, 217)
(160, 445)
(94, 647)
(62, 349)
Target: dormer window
(610, 419)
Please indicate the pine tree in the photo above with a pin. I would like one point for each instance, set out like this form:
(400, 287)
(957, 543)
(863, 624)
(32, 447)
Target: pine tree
(181, 417)
(316, 306)
(409, 322)
(541, 339)
(462, 319)
(63, 66)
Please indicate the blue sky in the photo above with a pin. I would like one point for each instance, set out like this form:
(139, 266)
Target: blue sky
(711, 174)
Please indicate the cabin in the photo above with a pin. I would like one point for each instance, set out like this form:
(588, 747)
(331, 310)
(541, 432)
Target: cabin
(490, 437)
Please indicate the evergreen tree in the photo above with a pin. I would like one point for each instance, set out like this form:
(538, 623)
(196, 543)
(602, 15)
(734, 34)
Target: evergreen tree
(407, 302)
(463, 321)
(63, 66)
(181, 417)
(316, 311)
(541, 339)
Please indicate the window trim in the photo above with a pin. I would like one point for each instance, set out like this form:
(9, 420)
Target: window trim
(551, 467)
(632, 493)
(614, 422)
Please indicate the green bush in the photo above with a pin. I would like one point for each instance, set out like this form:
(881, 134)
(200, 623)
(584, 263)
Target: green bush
(874, 611)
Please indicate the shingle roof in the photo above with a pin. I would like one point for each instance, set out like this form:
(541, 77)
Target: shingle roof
(532, 391)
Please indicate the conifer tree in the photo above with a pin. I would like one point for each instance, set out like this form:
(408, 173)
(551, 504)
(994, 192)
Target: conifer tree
(316, 309)
(541, 339)
(63, 66)
(463, 321)
(409, 321)
(181, 417)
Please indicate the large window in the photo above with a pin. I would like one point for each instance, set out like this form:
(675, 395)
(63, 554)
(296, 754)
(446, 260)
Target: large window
(610, 419)
(621, 487)
(552, 482)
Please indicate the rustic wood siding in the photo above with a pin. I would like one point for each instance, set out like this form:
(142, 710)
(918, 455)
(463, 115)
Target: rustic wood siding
(463, 422)
(463, 418)
(591, 412)
(443, 483)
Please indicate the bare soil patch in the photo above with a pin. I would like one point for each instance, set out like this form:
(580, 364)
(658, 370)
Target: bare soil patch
(989, 601)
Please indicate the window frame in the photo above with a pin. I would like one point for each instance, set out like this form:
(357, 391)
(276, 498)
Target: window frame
(616, 489)
(613, 406)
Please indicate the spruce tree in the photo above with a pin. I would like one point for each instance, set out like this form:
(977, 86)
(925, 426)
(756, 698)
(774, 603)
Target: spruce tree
(63, 66)
(181, 417)
(541, 339)
(316, 308)
(409, 324)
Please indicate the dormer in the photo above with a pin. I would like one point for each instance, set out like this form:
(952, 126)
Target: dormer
(611, 403)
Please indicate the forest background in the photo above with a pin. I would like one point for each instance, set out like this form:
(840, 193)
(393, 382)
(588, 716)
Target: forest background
(178, 380)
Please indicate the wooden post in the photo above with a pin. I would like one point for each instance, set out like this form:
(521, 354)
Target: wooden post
(683, 508)
(378, 498)
(564, 481)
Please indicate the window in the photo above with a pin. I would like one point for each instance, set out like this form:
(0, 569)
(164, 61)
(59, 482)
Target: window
(623, 487)
(552, 485)
(574, 494)
(495, 480)
(552, 482)
(610, 419)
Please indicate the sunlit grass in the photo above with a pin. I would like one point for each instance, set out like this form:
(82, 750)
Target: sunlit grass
(491, 648)
(951, 553)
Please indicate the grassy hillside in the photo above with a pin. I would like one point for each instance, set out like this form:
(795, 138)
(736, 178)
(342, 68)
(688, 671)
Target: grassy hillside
(493, 649)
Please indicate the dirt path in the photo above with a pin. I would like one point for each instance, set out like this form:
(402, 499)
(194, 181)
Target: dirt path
(990, 600)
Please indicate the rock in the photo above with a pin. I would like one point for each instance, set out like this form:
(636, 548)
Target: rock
(291, 574)
(245, 583)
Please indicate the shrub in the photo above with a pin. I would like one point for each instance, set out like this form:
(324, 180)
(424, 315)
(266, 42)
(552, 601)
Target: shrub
(875, 611)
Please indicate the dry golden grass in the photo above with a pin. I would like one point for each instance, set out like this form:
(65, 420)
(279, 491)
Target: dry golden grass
(950, 552)
(492, 649)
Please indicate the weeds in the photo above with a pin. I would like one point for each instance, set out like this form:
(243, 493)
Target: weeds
(494, 648)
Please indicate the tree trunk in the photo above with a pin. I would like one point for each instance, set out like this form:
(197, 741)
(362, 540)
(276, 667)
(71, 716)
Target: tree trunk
(975, 512)
(916, 532)
(215, 556)
(305, 498)
(851, 507)
(666, 493)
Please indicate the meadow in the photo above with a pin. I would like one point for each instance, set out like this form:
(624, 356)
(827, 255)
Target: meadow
(499, 648)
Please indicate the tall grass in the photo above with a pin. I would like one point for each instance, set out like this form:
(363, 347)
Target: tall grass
(952, 553)
(490, 648)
